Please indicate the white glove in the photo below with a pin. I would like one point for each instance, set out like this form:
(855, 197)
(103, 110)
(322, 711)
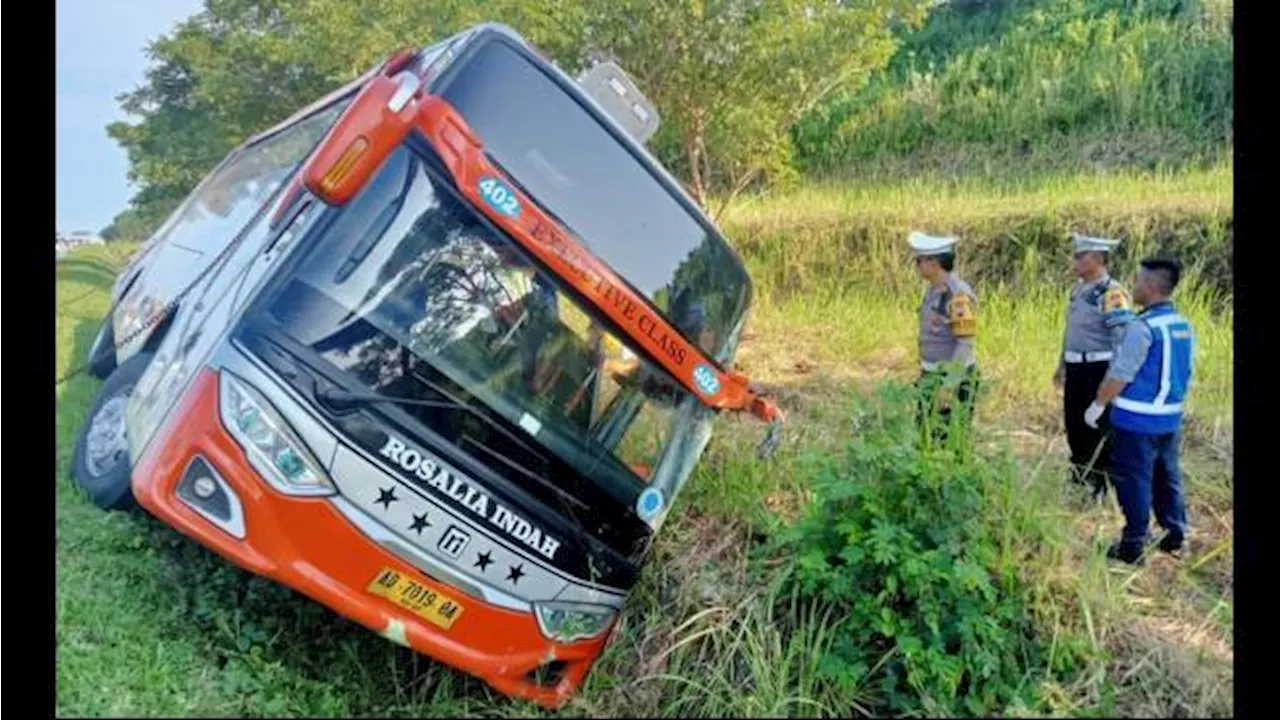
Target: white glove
(1092, 413)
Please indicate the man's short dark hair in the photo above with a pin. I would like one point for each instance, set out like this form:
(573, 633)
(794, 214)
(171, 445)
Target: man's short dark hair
(1168, 270)
(947, 261)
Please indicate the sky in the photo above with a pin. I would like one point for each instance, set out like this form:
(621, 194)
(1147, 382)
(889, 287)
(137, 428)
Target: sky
(100, 54)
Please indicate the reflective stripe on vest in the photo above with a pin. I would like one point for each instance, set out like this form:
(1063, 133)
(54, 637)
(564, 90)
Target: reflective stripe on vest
(1158, 406)
(1144, 408)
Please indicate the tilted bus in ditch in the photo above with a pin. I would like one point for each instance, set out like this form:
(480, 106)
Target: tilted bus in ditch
(438, 352)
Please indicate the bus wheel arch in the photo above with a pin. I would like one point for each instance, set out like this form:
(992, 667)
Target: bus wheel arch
(100, 463)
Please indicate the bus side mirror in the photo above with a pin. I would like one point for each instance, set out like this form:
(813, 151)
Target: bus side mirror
(377, 120)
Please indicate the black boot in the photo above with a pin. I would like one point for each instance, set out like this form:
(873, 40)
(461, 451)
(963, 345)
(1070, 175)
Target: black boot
(1175, 545)
(1123, 551)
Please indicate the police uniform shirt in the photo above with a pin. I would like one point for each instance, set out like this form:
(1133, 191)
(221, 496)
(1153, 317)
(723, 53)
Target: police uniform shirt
(1097, 314)
(948, 324)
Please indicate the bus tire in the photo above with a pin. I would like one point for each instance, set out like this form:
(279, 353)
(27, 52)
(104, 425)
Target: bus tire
(100, 464)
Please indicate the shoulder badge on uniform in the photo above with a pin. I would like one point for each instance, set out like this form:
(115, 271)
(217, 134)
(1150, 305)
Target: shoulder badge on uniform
(1116, 305)
(962, 315)
(1115, 299)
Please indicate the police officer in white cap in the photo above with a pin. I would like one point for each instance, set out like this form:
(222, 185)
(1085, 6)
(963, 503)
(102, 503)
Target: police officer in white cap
(948, 329)
(1097, 312)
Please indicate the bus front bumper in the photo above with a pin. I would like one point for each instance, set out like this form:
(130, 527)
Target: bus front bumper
(306, 544)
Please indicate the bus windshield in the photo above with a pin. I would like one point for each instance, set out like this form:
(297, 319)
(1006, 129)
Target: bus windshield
(593, 184)
(411, 292)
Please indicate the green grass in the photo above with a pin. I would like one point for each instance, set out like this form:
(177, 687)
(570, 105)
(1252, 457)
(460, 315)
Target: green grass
(1017, 86)
(826, 238)
(150, 623)
(836, 292)
(947, 200)
(1019, 340)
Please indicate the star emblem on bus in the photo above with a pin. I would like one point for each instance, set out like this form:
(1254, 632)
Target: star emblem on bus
(386, 497)
(419, 523)
(516, 573)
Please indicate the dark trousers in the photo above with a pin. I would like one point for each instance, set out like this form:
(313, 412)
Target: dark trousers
(1144, 469)
(937, 416)
(1089, 454)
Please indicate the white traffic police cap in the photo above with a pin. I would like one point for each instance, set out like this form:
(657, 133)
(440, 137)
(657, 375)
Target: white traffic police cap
(1084, 243)
(924, 245)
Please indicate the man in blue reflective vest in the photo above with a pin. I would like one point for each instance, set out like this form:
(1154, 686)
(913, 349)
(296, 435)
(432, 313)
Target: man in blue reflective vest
(1145, 386)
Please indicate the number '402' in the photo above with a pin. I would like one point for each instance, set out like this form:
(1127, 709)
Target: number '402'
(497, 194)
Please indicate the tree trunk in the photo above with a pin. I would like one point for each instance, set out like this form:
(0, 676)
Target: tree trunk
(741, 184)
(706, 165)
(695, 150)
(695, 173)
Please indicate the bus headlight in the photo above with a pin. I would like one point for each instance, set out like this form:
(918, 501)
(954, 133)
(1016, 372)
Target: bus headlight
(273, 450)
(569, 621)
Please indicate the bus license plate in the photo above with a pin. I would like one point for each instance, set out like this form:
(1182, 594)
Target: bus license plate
(416, 597)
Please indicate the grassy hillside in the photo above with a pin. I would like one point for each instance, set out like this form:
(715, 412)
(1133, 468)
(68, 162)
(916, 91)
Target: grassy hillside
(831, 260)
(1001, 87)
(1013, 610)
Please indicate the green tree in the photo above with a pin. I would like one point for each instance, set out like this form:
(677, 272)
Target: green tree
(238, 67)
(730, 77)
(138, 221)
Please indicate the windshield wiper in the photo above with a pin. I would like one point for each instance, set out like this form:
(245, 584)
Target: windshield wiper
(335, 398)
(340, 396)
(506, 460)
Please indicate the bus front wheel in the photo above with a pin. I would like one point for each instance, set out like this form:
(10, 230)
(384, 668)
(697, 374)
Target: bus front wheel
(101, 463)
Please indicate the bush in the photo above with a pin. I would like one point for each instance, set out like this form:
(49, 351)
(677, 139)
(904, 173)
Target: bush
(901, 536)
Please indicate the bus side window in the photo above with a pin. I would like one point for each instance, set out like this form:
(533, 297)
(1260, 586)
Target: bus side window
(223, 205)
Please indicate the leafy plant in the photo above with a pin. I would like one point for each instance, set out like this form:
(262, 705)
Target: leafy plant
(899, 535)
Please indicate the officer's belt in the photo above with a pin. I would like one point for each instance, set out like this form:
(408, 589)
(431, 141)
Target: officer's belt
(1080, 357)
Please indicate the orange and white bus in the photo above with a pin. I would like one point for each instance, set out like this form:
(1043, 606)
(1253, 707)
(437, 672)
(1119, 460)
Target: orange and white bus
(438, 352)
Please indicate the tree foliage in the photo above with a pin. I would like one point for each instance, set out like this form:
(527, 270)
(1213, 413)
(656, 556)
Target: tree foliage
(729, 77)
(1141, 82)
(239, 66)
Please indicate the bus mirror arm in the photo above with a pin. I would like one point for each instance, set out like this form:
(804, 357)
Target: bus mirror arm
(755, 402)
(772, 439)
(767, 411)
